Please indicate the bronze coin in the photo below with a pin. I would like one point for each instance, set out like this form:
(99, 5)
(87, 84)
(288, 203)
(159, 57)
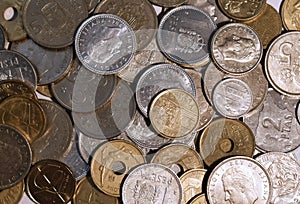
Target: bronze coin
(13, 194)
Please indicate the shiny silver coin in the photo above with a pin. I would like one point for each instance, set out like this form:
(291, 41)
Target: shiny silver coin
(105, 44)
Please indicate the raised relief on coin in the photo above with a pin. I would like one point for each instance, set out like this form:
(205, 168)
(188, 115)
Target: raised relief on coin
(290, 12)
(199, 200)
(12, 195)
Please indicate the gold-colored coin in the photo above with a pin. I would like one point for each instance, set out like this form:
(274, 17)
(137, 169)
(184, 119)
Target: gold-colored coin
(111, 163)
(13, 194)
(174, 113)
(199, 200)
(25, 114)
(226, 137)
(168, 3)
(87, 192)
(44, 90)
(290, 14)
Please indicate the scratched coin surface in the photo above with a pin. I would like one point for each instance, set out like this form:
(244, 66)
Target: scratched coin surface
(239, 180)
(284, 174)
(183, 35)
(12, 195)
(105, 43)
(290, 14)
(236, 48)
(15, 157)
(50, 181)
(152, 183)
(111, 163)
(53, 23)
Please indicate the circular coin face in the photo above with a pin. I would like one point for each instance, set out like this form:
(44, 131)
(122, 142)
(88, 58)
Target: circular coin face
(105, 44)
(290, 14)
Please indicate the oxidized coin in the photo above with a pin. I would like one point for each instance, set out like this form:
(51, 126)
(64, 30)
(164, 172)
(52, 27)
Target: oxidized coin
(174, 113)
(14, 65)
(152, 183)
(178, 157)
(160, 77)
(239, 180)
(242, 9)
(290, 14)
(87, 192)
(3, 38)
(275, 126)
(226, 137)
(15, 157)
(168, 3)
(232, 98)
(183, 35)
(284, 174)
(50, 181)
(50, 64)
(236, 48)
(111, 163)
(53, 23)
(13, 194)
(199, 200)
(25, 114)
(105, 44)
(139, 14)
(282, 66)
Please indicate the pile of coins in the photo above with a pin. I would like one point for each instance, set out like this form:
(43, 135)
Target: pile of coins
(110, 102)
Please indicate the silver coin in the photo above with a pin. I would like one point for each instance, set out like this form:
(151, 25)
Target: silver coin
(152, 183)
(105, 44)
(275, 125)
(284, 173)
(239, 179)
(183, 35)
(296, 154)
(232, 98)
(160, 77)
(236, 48)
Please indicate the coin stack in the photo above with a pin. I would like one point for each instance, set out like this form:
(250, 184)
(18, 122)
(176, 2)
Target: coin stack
(149, 101)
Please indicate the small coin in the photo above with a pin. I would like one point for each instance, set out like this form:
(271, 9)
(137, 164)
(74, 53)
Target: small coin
(225, 137)
(53, 24)
(15, 157)
(174, 113)
(3, 38)
(183, 35)
(105, 44)
(168, 3)
(199, 200)
(50, 181)
(111, 163)
(150, 183)
(236, 48)
(13, 194)
(290, 14)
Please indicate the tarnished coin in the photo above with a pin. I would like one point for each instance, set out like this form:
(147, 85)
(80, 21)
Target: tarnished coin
(152, 183)
(192, 181)
(111, 164)
(25, 114)
(91, 4)
(236, 48)
(105, 44)
(232, 98)
(281, 64)
(14, 65)
(275, 126)
(239, 180)
(199, 200)
(160, 77)
(290, 14)
(139, 14)
(183, 35)
(50, 64)
(87, 192)
(174, 113)
(242, 10)
(15, 157)
(53, 23)
(168, 3)
(3, 38)
(13, 194)
(284, 174)
(178, 157)
(45, 90)
(226, 137)
(50, 181)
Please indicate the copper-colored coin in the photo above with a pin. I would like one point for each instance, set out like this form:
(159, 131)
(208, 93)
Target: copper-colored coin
(13, 194)
(87, 192)
(168, 3)
(226, 137)
(111, 163)
(24, 114)
(50, 181)
(199, 200)
(290, 14)
(44, 90)
(174, 113)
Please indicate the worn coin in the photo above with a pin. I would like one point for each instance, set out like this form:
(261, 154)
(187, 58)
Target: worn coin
(152, 183)
(45, 90)
(236, 48)
(50, 181)
(200, 199)
(183, 35)
(15, 157)
(290, 14)
(225, 137)
(53, 23)
(3, 38)
(91, 4)
(105, 44)
(111, 163)
(13, 194)
(168, 3)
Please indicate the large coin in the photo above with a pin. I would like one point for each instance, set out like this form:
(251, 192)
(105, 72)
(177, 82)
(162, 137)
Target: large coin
(12, 195)
(290, 14)
(3, 38)
(201, 199)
